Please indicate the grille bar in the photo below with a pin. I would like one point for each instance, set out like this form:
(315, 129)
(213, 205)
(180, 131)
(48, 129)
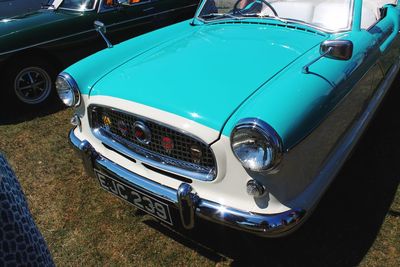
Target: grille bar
(183, 152)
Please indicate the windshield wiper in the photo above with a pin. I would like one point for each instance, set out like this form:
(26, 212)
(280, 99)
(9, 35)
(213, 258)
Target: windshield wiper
(219, 15)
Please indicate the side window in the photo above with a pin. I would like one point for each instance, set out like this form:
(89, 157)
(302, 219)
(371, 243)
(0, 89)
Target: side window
(371, 11)
(107, 5)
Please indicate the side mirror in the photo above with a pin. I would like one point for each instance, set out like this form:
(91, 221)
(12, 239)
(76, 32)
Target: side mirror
(337, 49)
(101, 29)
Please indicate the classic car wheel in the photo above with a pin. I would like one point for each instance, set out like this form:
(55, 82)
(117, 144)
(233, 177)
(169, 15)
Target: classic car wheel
(30, 83)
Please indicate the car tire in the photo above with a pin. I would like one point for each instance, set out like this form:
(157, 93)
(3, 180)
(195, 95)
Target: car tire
(30, 83)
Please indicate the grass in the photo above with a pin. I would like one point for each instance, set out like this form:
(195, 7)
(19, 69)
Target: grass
(356, 223)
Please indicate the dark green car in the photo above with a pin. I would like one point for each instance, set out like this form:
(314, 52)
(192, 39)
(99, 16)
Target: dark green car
(35, 46)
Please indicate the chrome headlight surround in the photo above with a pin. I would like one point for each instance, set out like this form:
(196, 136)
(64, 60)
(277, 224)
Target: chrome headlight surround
(68, 90)
(256, 145)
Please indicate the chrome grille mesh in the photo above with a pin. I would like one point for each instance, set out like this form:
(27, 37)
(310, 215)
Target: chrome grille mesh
(179, 156)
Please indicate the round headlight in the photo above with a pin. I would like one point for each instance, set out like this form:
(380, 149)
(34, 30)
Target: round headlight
(256, 145)
(67, 90)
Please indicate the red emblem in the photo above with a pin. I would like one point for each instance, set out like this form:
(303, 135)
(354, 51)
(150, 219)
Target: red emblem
(139, 133)
(167, 143)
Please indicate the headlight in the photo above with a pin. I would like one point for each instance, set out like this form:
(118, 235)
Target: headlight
(67, 90)
(256, 145)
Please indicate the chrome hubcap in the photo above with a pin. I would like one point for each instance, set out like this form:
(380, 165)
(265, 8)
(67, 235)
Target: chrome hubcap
(32, 85)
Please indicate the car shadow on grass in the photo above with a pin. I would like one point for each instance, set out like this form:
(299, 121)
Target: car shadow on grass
(12, 114)
(345, 224)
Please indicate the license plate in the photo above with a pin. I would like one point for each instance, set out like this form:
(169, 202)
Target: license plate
(139, 199)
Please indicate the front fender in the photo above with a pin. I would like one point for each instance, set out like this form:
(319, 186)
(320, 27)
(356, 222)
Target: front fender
(292, 102)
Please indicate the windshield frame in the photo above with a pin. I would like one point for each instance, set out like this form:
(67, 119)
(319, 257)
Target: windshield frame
(281, 19)
(84, 10)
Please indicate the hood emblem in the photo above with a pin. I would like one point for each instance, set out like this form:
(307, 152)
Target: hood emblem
(167, 143)
(141, 133)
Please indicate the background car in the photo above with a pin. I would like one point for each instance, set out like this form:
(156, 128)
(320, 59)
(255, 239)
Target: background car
(35, 46)
(242, 116)
(10, 8)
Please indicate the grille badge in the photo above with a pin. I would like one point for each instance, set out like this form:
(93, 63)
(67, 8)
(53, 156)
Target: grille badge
(167, 143)
(106, 121)
(195, 152)
(141, 133)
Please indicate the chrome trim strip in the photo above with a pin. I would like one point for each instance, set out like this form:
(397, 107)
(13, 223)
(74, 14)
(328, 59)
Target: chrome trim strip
(87, 31)
(150, 159)
(188, 202)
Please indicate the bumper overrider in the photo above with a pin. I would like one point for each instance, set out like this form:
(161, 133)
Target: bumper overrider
(187, 203)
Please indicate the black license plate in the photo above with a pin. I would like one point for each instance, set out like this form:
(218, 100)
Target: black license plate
(139, 199)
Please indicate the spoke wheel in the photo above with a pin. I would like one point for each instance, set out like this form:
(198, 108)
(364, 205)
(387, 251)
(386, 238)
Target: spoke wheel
(32, 85)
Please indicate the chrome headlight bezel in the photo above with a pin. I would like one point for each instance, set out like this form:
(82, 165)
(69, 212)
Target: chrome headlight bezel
(71, 96)
(269, 136)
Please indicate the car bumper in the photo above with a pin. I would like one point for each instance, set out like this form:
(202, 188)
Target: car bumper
(188, 203)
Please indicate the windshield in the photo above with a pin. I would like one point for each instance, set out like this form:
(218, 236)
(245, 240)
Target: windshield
(79, 5)
(330, 15)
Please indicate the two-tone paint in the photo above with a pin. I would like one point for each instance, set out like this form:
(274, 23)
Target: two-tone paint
(204, 78)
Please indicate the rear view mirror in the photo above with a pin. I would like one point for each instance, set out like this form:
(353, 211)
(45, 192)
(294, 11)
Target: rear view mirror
(337, 49)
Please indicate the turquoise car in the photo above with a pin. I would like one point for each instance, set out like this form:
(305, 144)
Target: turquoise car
(241, 116)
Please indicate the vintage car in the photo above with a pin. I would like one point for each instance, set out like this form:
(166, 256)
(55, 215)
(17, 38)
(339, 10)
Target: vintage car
(36, 46)
(242, 116)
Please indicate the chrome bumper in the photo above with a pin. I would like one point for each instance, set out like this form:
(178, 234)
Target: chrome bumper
(189, 204)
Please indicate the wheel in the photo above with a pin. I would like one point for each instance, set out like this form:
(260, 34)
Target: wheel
(30, 82)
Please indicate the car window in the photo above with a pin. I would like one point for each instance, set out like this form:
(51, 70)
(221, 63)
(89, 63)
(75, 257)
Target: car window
(332, 15)
(80, 5)
(371, 11)
(107, 5)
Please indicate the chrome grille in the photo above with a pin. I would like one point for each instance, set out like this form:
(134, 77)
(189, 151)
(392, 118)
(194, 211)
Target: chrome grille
(180, 156)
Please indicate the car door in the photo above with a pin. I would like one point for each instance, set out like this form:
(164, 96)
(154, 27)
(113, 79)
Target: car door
(385, 31)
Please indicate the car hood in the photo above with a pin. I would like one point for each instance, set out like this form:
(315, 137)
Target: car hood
(206, 75)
